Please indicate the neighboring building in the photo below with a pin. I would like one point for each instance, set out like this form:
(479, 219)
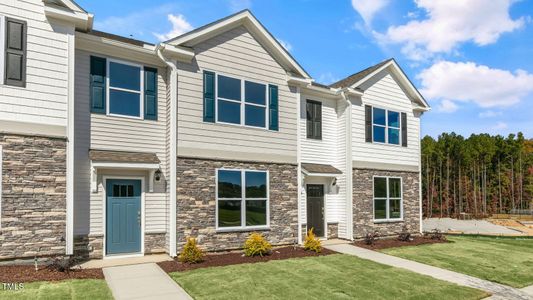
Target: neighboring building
(111, 146)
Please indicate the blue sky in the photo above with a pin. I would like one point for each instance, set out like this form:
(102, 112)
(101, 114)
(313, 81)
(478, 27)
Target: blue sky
(471, 59)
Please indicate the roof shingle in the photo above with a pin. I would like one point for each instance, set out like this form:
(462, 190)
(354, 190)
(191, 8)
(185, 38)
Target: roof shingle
(350, 80)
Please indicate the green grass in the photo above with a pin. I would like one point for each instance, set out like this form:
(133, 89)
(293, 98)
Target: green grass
(504, 260)
(335, 276)
(69, 289)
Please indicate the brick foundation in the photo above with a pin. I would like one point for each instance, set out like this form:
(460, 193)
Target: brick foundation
(33, 196)
(196, 204)
(363, 215)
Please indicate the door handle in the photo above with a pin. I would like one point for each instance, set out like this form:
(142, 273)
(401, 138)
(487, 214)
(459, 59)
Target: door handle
(139, 217)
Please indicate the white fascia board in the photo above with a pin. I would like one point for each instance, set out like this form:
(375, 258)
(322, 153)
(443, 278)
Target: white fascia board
(82, 21)
(119, 165)
(299, 81)
(176, 52)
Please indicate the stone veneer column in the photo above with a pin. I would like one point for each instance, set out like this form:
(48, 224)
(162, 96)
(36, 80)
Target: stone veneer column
(363, 203)
(196, 203)
(33, 218)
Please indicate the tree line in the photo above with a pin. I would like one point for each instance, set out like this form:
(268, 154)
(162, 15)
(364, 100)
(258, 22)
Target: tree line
(476, 176)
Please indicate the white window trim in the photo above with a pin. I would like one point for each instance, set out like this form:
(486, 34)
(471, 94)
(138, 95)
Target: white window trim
(387, 200)
(108, 88)
(243, 200)
(2, 48)
(386, 126)
(242, 101)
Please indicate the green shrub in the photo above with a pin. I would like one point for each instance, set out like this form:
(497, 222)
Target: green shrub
(311, 242)
(191, 252)
(256, 244)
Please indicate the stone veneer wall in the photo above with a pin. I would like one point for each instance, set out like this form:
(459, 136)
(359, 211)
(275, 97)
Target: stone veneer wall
(363, 215)
(33, 217)
(196, 203)
(91, 246)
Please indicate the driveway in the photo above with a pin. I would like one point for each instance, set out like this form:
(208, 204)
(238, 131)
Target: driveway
(467, 227)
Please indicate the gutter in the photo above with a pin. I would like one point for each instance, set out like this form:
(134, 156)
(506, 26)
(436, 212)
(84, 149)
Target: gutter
(173, 147)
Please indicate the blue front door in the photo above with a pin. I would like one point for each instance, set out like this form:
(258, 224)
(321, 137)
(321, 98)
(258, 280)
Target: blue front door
(123, 224)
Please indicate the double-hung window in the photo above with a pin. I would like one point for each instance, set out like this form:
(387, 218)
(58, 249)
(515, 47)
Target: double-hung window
(241, 102)
(386, 126)
(125, 89)
(242, 199)
(314, 119)
(388, 198)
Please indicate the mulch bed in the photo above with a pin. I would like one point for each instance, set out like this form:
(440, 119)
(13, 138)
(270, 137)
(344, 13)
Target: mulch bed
(233, 258)
(27, 273)
(391, 243)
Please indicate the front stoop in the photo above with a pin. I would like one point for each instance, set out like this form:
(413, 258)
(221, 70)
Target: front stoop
(143, 281)
(115, 262)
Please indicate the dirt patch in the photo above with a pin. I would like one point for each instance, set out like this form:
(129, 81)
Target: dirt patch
(521, 226)
(234, 258)
(391, 243)
(28, 274)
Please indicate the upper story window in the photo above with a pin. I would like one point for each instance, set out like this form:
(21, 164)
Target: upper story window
(314, 119)
(388, 198)
(385, 126)
(231, 100)
(124, 89)
(242, 199)
(13, 34)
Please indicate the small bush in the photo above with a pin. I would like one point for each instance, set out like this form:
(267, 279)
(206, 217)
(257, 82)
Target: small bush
(371, 238)
(256, 244)
(312, 243)
(405, 235)
(191, 252)
(63, 264)
(436, 234)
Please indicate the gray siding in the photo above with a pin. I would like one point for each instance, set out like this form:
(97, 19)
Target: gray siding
(234, 53)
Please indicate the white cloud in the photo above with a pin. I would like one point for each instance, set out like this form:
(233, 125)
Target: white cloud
(469, 82)
(499, 126)
(368, 8)
(327, 78)
(447, 106)
(237, 5)
(451, 23)
(179, 27)
(285, 44)
(489, 114)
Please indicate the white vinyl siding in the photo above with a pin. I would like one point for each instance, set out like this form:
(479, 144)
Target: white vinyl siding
(384, 92)
(44, 99)
(102, 132)
(234, 53)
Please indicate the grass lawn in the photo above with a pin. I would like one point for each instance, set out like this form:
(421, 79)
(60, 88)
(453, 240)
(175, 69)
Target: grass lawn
(500, 259)
(67, 289)
(335, 276)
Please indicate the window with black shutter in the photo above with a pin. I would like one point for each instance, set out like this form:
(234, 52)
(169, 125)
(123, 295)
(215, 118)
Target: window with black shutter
(15, 52)
(314, 119)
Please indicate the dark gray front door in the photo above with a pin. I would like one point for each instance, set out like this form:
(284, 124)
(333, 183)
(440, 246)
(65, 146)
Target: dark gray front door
(315, 208)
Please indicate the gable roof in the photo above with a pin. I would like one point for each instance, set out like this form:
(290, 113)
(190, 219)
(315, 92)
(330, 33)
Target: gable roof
(249, 21)
(355, 80)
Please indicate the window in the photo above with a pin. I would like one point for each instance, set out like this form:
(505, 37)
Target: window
(241, 102)
(386, 126)
(13, 51)
(242, 199)
(314, 119)
(388, 198)
(122, 190)
(124, 92)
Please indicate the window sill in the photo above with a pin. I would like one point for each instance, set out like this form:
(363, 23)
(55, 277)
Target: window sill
(243, 229)
(389, 221)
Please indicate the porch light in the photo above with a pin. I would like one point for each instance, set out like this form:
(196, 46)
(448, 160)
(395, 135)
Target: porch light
(157, 175)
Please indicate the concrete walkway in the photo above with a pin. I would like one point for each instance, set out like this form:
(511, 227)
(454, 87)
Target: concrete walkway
(499, 291)
(143, 281)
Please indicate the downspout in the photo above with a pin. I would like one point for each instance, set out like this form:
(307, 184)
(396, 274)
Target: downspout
(298, 161)
(420, 173)
(173, 147)
(349, 164)
(69, 234)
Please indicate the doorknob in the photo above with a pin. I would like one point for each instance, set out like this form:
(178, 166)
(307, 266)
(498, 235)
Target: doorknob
(139, 217)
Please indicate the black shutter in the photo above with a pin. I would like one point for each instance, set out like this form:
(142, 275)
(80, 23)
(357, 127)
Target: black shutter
(314, 119)
(15, 52)
(150, 93)
(209, 97)
(368, 123)
(404, 129)
(273, 110)
(98, 84)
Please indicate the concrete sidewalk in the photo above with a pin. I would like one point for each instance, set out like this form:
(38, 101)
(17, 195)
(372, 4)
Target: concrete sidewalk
(143, 281)
(499, 291)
